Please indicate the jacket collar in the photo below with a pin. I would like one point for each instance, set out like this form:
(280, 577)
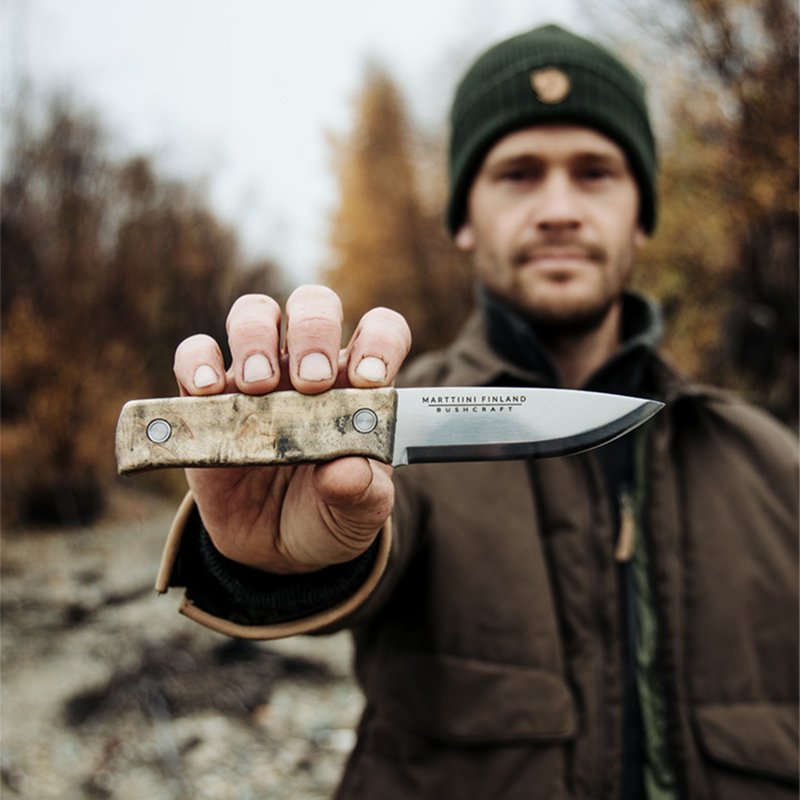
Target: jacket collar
(499, 346)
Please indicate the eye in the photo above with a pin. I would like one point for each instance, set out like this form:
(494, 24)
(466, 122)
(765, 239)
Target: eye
(596, 173)
(518, 174)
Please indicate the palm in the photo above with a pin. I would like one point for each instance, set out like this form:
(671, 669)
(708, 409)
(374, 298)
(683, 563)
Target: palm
(289, 518)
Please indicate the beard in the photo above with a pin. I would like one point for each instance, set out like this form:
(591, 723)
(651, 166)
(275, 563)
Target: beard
(577, 321)
(567, 315)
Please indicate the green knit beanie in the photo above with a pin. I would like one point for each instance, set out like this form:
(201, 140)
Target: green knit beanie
(549, 75)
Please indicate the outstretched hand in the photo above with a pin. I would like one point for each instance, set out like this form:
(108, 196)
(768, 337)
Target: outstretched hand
(305, 517)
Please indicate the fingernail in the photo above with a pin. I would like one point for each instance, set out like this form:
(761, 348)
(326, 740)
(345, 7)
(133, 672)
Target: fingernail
(204, 376)
(257, 368)
(315, 367)
(372, 369)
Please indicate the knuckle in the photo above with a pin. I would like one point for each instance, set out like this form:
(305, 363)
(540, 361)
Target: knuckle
(247, 330)
(387, 327)
(193, 347)
(315, 329)
(257, 307)
(315, 302)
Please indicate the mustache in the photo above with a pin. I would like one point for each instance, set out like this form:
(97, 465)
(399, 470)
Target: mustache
(556, 246)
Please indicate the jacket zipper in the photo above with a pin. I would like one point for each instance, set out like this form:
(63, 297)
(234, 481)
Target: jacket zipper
(645, 481)
(594, 545)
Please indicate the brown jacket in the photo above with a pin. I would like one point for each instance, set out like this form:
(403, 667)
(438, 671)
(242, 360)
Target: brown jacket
(488, 635)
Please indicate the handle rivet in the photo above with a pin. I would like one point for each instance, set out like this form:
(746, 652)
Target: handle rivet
(365, 420)
(158, 431)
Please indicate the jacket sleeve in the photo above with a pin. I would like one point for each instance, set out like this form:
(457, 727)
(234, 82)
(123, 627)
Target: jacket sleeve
(247, 603)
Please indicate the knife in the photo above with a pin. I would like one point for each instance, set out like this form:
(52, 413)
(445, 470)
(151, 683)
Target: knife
(395, 426)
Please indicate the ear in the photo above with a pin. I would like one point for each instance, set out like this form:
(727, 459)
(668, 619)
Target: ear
(465, 238)
(640, 238)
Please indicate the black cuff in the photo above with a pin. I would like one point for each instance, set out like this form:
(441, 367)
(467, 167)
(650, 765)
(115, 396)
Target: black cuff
(250, 596)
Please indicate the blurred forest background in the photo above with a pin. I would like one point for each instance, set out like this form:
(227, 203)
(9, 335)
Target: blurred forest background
(107, 265)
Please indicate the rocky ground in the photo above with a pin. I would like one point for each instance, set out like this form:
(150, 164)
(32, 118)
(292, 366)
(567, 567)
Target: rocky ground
(107, 692)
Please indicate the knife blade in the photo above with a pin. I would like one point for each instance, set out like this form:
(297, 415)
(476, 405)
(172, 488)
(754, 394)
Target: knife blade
(395, 426)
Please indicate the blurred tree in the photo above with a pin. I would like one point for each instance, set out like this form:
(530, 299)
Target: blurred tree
(105, 268)
(388, 243)
(725, 258)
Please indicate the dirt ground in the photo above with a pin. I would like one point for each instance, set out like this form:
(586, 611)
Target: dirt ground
(107, 692)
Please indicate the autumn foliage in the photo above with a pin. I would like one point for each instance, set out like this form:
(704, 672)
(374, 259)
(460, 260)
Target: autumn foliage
(388, 244)
(105, 268)
(724, 262)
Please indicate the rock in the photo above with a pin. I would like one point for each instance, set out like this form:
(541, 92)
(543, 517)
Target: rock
(108, 692)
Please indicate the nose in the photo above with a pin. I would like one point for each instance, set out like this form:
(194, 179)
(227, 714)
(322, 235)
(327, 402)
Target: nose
(557, 206)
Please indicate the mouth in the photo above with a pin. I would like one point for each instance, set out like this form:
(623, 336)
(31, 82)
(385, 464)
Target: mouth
(548, 258)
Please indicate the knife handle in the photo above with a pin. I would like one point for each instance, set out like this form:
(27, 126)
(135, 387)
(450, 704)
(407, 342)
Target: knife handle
(248, 430)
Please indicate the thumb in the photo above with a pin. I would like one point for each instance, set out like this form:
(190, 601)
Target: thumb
(357, 496)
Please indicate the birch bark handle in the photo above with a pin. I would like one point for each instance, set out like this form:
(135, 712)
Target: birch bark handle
(246, 430)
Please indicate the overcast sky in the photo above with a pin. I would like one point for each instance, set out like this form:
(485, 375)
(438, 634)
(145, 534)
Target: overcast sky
(242, 93)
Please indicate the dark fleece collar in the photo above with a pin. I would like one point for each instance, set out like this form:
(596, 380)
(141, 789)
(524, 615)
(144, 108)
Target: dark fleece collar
(515, 339)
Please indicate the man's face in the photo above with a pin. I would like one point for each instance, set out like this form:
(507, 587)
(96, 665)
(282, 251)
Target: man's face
(552, 224)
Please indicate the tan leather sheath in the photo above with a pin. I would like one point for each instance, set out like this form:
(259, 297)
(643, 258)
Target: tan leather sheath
(313, 624)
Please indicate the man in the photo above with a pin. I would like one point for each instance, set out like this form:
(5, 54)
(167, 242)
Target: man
(621, 623)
